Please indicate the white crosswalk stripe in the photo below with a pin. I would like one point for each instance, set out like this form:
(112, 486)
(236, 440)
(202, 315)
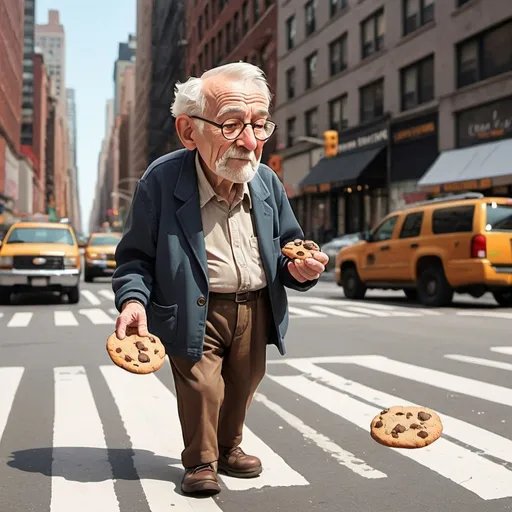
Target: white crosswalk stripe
(467, 456)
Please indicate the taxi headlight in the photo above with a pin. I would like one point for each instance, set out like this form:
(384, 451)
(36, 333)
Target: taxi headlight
(70, 262)
(5, 261)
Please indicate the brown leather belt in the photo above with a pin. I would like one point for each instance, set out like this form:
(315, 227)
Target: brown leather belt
(239, 297)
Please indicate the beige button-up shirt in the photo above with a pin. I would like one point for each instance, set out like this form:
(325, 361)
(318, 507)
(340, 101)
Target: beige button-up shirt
(232, 251)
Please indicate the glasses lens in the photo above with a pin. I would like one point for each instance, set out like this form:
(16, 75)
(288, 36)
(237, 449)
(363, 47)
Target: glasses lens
(231, 129)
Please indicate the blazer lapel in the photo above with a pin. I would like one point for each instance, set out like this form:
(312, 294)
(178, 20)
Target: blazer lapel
(189, 213)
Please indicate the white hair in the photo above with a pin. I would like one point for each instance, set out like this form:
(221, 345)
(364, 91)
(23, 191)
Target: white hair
(190, 100)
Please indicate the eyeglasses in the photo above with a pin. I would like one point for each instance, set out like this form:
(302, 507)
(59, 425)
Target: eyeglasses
(233, 128)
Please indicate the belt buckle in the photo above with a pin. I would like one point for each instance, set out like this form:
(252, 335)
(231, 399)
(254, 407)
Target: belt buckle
(241, 297)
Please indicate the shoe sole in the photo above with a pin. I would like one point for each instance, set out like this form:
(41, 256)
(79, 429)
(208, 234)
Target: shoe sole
(202, 488)
(249, 473)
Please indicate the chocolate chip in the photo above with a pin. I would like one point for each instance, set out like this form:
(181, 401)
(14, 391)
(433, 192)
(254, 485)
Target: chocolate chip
(423, 416)
(152, 340)
(399, 428)
(414, 426)
(143, 358)
(127, 358)
(384, 411)
(298, 242)
(394, 434)
(135, 364)
(140, 345)
(156, 351)
(409, 414)
(399, 413)
(378, 424)
(422, 434)
(119, 350)
(300, 253)
(308, 246)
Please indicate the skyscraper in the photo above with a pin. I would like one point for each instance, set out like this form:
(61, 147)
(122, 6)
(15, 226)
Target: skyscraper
(126, 57)
(27, 106)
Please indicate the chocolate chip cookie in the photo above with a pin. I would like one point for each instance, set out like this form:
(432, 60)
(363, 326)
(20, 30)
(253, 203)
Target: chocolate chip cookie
(136, 354)
(300, 249)
(406, 427)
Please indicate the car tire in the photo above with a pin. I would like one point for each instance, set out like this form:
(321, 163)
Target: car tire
(503, 298)
(353, 287)
(74, 295)
(5, 296)
(411, 293)
(433, 288)
(87, 277)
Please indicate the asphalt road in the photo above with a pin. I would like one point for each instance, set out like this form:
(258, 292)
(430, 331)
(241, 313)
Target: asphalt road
(79, 434)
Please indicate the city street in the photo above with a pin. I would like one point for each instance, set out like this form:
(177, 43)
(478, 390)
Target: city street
(79, 434)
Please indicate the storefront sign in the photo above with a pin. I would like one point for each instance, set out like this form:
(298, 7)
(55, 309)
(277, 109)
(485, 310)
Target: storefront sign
(460, 186)
(370, 137)
(485, 123)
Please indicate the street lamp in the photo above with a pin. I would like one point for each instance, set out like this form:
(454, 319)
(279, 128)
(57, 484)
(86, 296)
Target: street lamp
(122, 195)
(313, 140)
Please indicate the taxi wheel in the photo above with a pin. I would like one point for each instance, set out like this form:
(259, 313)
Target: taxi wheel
(503, 298)
(5, 295)
(353, 287)
(74, 295)
(433, 288)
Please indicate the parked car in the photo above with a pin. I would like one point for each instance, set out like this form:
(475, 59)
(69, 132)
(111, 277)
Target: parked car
(432, 249)
(334, 246)
(100, 260)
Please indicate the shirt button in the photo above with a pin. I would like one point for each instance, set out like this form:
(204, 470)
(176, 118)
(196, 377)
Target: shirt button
(201, 301)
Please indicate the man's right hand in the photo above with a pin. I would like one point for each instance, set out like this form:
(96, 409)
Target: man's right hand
(132, 318)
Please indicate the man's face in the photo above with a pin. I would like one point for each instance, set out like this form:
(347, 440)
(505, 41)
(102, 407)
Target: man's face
(234, 160)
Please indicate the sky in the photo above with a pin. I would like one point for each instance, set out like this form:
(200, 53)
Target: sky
(93, 31)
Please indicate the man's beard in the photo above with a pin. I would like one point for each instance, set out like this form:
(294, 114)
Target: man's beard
(237, 171)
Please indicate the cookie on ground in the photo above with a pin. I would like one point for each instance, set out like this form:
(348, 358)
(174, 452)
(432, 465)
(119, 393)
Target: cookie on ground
(136, 354)
(406, 427)
(300, 249)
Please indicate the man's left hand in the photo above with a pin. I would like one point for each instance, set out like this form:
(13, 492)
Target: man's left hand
(308, 269)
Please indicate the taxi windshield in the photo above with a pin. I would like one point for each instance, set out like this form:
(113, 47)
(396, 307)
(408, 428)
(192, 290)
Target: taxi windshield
(40, 236)
(105, 240)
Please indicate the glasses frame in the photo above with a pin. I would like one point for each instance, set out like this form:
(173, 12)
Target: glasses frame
(221, 128)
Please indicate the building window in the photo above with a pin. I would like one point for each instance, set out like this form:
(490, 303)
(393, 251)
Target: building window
(201, 63)
(290, 131)
(371, 100)
(485, 55)
(338, 55)
(268, 4)
(460, 3)
(290, 83)
(372, 34)
(245, 17)
(290, 32)
(310, 9)
(416, 14)
(256, 10)
(417, 83)
(236, 27)
(228, 38)
(311, 122)
(207, 16)
(207, 55)
(200, 28)
(337, 6)
(311, 70)
(219, 45)
(338, 113)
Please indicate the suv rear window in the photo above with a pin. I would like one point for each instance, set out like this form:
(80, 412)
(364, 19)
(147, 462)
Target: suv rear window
(499, 217)
(455, 219)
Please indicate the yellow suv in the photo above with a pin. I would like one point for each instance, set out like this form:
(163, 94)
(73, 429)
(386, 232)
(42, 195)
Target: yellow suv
(460, 243)
(40, 256)
(100, 255)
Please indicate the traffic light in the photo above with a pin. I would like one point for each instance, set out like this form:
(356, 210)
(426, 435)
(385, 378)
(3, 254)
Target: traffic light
(331, 143)
(275, 162)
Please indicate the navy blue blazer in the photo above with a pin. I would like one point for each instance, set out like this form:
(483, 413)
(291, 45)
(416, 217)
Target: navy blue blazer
(161, 258)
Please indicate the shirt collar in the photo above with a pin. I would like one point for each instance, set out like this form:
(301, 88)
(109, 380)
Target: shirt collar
(206, 191)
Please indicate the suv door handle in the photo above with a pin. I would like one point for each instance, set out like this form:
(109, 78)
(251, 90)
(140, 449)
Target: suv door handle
(385, 248)
(415, 246)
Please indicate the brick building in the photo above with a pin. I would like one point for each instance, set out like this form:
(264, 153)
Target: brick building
(11, 80)
(238, 30)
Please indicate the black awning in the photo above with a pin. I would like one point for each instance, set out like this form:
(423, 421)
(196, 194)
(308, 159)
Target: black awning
(343, 169)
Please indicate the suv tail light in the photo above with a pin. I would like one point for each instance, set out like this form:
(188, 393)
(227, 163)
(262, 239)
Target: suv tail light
(479, 246)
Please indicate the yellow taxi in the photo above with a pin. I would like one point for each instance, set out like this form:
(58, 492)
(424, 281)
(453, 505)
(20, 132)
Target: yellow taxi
(40, 256)
(433, 249)
(100, 260)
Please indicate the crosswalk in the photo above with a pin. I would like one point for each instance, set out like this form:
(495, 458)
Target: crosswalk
(467, 457)
(96, 308)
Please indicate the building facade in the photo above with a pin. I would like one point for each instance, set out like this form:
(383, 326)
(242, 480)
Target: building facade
(395, 79)
(11, 82)
(125, 58)
(27, 107)
(238, 30)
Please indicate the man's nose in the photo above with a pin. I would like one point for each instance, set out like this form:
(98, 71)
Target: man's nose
(247, 139)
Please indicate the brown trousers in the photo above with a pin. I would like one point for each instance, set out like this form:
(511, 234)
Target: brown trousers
(215, 392)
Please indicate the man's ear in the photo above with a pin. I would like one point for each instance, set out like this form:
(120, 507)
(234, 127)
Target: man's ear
(184, 129)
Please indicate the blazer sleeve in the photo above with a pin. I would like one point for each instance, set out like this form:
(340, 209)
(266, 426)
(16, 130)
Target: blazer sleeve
(135, 253)
(289, 229)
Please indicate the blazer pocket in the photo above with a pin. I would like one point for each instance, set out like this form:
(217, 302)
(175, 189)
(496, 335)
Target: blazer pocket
(163, 321)
(277, 244)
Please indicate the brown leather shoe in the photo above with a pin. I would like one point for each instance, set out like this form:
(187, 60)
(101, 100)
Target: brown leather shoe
(201, 479)
(235, 462)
